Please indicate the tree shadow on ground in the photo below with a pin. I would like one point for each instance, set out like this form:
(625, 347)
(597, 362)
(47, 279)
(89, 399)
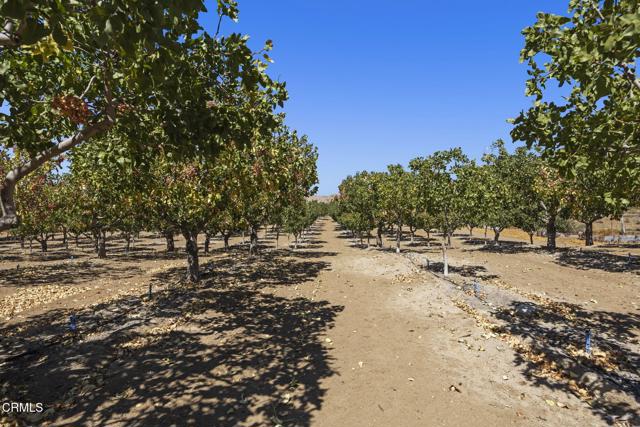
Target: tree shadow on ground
(621, 246)
(12, 252)
(40, 257)
(556, 332)
(223, 353)
(132, 256)
(468, 271)
(599, 261)
(503, 247)
(587, 259)
(66, 273)
(269, 269)
(420, 241)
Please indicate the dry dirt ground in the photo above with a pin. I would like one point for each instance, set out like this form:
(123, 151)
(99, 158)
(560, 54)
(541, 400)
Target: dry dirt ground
(331, 334)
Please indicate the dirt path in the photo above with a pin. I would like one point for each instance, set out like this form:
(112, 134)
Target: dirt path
(328, 335)
(405, 355)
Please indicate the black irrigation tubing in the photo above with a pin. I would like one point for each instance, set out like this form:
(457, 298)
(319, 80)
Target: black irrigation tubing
(61, 338)
(620, 381)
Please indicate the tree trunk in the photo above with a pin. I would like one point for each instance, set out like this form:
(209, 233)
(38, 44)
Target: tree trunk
(43, 245)
(449, 238)
(398, 238)
(191, 247)
(253, 244)
(77, 238)
(295, 242)
(471, 231)
(127, 238)
(30, 246)
(379, 241)
(551, 233)
(21, 242)
(226, 241)
(445, 262)
(486, 227)
(531, 237)
(428, 238)
(171, 244)
(588, 234)
(413, 235)
(277, 236)
(65, 240)
(496, 235)
(96, 239)
(102, 244)
(207, 243)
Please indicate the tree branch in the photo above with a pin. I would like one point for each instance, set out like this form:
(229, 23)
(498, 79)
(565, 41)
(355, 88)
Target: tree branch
(84, 93)
(8, 35)
(628, 73)
(9, 218)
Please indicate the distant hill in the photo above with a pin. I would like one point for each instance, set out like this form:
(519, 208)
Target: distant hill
(323, 199)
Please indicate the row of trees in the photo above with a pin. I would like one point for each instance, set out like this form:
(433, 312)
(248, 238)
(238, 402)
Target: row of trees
(447, 191)
(240, 189)
(582, 155)
(129, 116)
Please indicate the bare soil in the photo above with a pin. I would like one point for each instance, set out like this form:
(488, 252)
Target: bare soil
(331, 334)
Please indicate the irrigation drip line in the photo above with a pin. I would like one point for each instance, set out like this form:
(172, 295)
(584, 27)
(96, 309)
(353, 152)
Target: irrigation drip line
(621, 382)
(97, 325)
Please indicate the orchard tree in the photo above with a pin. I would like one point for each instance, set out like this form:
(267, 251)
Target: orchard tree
(108, 193)
(588, 200)
(295, 220)
(379, 216)
(414, 211)
(472, 182)
(553, 194)
(183, 195)
(397, 197)
(362, 193)
(530, 213)
(278, 170)
(594, 50)
(72, 71)
(500, 188)
(300, 183)
(38, 202)
(358, 203)
(439, 190)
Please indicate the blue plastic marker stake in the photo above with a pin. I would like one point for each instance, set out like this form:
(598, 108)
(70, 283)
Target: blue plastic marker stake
(587, 342)
(476, 288)
(73, 323)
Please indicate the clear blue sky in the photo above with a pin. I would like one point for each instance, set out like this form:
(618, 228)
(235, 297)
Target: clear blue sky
(377, 82)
